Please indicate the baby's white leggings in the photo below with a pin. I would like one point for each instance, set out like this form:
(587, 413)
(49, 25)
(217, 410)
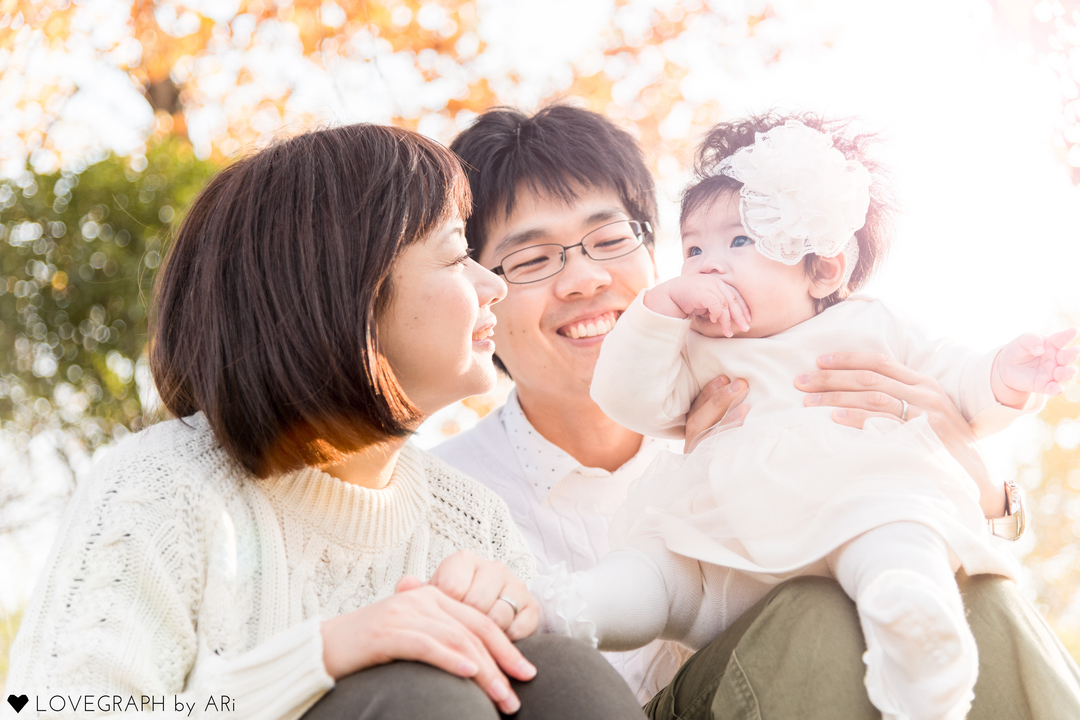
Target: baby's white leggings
(921, 659)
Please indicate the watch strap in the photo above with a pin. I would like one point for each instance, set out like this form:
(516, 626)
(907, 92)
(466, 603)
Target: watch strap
(1011, 526)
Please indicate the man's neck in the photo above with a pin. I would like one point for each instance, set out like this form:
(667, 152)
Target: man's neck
(578, 426)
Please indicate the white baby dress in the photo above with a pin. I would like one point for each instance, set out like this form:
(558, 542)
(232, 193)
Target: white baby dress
(773, 497)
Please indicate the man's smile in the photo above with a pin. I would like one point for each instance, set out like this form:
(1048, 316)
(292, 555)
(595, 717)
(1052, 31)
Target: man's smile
(590, 326)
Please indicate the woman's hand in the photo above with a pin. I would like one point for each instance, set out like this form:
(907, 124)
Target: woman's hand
(718, 404)
(423, 624)
(487, 585)
(866, 385)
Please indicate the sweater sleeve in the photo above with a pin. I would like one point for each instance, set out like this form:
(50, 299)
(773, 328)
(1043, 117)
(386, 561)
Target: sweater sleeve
(280, 679)
(643, 379)
(116, 611)
(964, 375)
(113, 612)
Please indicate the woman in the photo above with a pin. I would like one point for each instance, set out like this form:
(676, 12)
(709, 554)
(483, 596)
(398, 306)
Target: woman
(317, 303)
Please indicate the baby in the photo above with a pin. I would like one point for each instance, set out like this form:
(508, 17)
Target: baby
(782, 224)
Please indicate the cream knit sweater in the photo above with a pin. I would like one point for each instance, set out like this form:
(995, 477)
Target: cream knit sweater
(177, 574)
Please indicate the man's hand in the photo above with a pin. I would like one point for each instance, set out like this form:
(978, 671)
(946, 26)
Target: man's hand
(719, 404)
(1033, 363)
(705, 295)
(866, 385)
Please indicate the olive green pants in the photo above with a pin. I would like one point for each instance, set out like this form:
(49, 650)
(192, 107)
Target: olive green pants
(798, 654)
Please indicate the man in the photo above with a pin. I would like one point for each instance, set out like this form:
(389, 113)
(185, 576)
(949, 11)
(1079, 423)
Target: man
(548, 190)
(559, 462)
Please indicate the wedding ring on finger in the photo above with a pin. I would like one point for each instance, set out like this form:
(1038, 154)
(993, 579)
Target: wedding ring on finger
(511, 603)
(903, 414)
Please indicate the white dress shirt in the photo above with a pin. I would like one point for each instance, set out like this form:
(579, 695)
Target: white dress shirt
(564, 510)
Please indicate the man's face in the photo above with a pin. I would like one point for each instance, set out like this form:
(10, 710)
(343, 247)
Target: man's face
(549, 332)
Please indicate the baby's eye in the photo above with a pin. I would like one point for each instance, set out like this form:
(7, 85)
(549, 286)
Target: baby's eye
(741, 241)
(692, 251)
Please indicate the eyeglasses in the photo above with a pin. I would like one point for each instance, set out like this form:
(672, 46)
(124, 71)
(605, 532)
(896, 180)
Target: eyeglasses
(539, 262)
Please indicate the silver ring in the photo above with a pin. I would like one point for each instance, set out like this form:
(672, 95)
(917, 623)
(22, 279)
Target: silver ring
(511, 603)
(903, 415)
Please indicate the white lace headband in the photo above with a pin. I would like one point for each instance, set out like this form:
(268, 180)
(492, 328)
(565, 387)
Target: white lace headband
(800, 195)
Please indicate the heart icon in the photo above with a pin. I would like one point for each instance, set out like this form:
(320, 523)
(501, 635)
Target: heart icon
(17, 702)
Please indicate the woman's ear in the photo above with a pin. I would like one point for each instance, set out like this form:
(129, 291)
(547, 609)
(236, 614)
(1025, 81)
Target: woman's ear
(827, 275)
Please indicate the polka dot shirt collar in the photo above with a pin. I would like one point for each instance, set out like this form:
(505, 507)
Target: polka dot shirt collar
(544, 463)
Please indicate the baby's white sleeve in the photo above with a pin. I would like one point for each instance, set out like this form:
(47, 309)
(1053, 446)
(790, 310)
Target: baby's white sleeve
(964, 375)
(642, 379)
(620, 604)
(637, 594)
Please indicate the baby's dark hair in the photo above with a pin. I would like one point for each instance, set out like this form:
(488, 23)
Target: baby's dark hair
(725, 139)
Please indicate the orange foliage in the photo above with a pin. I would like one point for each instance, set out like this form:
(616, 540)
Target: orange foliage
(53, 21)
(171, 68)
(1052, 481)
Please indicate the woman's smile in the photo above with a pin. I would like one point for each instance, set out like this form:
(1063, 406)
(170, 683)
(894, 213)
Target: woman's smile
(481, 337)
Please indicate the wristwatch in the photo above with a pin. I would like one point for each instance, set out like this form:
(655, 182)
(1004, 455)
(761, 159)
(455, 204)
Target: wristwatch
(1010, 527)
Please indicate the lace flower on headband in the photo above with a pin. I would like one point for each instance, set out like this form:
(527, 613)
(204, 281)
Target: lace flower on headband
(800, 195)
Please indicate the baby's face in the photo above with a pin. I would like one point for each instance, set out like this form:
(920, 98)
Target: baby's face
(714, 241)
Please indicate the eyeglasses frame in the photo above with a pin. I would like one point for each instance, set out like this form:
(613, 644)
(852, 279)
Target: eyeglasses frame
(640, 227)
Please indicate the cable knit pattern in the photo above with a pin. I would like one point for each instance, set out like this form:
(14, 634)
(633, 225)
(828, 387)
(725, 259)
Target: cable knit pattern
(176, 573)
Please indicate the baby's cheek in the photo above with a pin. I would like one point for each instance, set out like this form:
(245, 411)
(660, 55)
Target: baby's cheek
(693, 267)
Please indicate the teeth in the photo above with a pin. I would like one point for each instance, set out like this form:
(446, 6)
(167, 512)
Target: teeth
(592, 328)
(483, 334)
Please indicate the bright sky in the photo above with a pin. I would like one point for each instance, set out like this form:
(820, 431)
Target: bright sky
(989, 244)
(989, 240)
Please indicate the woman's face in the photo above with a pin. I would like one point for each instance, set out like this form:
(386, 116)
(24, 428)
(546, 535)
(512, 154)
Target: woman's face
(437, 331)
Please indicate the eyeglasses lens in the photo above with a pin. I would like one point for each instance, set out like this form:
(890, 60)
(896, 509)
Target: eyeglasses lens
(612, 240)
(540, 262)
(533, 263)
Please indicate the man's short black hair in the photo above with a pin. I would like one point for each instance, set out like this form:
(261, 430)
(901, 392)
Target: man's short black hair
(555, 152)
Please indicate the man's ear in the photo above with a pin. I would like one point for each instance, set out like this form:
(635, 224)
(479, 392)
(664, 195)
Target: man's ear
(827, 275)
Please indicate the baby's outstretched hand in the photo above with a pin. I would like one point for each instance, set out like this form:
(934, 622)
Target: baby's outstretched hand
(1033, 363)
(705, 295)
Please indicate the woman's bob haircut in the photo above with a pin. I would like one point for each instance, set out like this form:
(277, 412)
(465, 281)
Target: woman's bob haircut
(265, 309)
